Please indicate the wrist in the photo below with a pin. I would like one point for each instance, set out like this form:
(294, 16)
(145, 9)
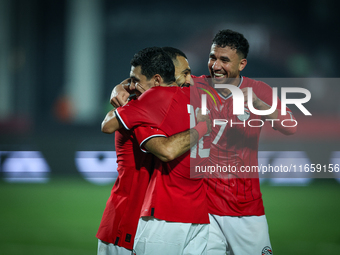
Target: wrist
(201, 129)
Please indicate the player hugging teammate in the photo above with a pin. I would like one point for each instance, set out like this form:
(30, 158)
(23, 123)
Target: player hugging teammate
(156, 206)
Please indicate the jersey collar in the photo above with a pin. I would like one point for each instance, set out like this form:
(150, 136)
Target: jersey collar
(239, 85)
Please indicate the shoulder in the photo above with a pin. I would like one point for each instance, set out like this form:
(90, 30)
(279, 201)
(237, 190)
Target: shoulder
(158, 93)
(201, 82)
(203, 76)
(255, 84)
(152, 98)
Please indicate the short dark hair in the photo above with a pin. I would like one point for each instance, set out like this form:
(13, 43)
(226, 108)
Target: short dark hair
(232, 39)
(154, 60)
(173, 52)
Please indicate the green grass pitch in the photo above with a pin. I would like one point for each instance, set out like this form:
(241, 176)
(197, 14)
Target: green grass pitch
(62, 217)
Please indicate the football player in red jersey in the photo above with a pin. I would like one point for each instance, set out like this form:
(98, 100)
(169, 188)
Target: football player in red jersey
(119, 220)
(238, 222)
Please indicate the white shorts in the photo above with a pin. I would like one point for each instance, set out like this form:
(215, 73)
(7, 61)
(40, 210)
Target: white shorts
(156, 236)
(246, 235)
(111, 249)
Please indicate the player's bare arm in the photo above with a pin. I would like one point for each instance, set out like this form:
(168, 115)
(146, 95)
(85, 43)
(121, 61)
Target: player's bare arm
(260, 105)
(169, 148)
(120, 93)
(110, 124)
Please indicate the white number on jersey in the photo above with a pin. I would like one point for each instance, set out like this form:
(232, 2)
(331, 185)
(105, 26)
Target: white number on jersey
(220, 132)
(202, 153)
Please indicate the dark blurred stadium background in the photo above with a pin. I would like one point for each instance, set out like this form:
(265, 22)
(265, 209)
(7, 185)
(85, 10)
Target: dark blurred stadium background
(60, 59)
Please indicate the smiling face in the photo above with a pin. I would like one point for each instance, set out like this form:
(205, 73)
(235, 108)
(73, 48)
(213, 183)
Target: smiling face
(225, 64)
(138, 82)
(182, 71)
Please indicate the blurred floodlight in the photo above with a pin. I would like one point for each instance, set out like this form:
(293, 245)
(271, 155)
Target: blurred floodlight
(291, 160)
(25, 166)
(98, 167)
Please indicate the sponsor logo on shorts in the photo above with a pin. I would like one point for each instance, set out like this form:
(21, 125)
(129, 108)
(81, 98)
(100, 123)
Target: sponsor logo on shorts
(267, 251)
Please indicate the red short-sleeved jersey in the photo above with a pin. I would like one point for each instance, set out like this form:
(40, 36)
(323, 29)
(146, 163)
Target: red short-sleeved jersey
(122, 211)
(235, 144)
(172, 195)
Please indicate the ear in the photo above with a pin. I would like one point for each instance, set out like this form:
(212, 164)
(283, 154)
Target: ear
(242, 64)
(158, 80)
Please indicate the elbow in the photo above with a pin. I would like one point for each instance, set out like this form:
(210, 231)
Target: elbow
(288, 130)
(167, 158)
(106, 129)
(291, 130)
(170, 154)
(166, 155)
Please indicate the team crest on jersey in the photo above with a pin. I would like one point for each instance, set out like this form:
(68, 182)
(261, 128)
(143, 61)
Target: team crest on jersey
(267, 251)
(245, 116)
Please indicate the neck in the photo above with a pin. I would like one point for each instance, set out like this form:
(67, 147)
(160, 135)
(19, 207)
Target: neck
(169, 85)
(235, 81)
